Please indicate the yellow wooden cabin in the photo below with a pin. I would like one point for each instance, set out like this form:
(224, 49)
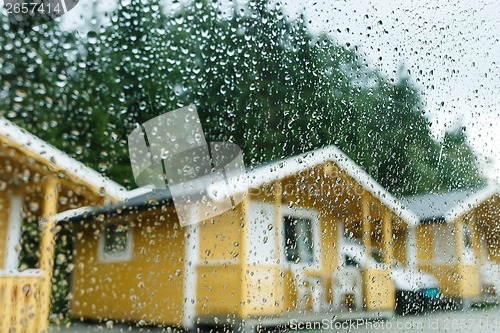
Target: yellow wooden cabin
(484, 212)
(37, 181)
(273, 257)
(484, 209)
(457, 241)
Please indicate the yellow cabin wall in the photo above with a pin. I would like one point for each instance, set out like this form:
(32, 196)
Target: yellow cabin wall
(399, 245)
(263, 290)
(219, 270)
(148, 287)
(218, 290)
(378, 289)
(328, 242)
(492, 240)
(425, 247)
(454, 279)
(225, 282)
(220, 237)
(487, 221)
(470, 282)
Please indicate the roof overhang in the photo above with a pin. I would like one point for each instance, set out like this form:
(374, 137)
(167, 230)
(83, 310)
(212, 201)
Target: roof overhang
(472, 202)
(136, 200)
(58, 161)
(293, 165)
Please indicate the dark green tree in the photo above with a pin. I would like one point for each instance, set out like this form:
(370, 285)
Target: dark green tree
(258, 79)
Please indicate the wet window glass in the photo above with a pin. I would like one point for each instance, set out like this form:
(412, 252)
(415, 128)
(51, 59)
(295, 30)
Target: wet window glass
(116, 239)
(377, 256)
(249, 165)
(298, 239)
(350, 261)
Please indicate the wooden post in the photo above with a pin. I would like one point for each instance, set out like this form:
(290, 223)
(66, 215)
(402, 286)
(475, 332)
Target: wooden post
(278, 198)
(459, 251)
(459, 238)
(245, 287)
(387, 236)
(279, 287)
(411, 246)
(365, 216)
(14, 222)
(340, 225)
(476, 239)
(191, 253)
(47, 240)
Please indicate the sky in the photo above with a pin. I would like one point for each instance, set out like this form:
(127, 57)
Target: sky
(451, 49)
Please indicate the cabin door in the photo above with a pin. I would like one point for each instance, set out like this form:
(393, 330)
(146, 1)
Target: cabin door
(346, 279)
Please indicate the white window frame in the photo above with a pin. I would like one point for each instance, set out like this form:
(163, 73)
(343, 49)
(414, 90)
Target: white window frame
(191, 262)
(311, 214)
(271, 256)
(13, 239)
(443, 242)
(469, 256)
(122, 256)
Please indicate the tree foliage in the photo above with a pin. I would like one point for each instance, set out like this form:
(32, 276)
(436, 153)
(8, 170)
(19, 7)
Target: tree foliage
(258, 78)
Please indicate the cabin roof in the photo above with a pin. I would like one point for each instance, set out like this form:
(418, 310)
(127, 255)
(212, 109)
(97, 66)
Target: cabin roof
(17, 137)
(143, 199)
(446, 206)
(472, 201)
(266, 174)
(292, 165)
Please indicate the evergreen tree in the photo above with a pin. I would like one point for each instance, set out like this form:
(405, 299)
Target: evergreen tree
(258, 78)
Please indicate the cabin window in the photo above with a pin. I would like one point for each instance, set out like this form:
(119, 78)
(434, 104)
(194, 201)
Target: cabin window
(443, 245)
(468, 255)
(350, 261)
(467, 238)
(116, 242)
(299, 246)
